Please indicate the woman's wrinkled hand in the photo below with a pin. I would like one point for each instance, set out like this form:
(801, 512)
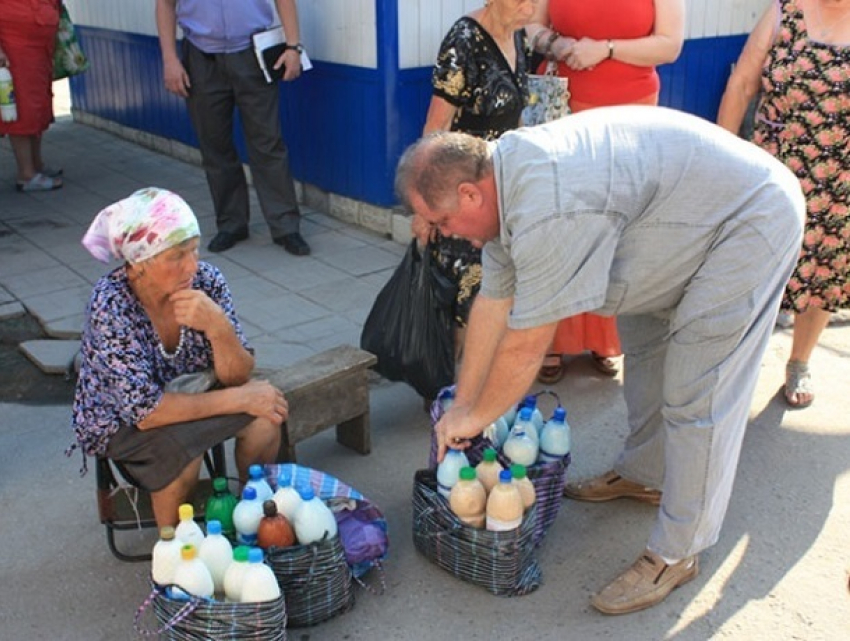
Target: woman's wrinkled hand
(193, 308)
(264, 400)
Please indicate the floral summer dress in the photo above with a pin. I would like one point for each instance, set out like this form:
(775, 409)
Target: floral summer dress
(804, 120)
(472, 74)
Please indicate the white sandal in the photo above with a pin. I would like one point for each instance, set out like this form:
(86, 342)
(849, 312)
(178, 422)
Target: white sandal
(798, 381)
(40, 182)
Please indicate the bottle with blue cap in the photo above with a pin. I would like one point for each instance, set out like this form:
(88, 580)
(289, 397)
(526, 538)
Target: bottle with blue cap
(287, 498)
(520, 447)
(555, 438)
(536, 415)
(259, 583)
(448, 471)
(216, 553)
(247, 516)
(257, 480)
(314, 520)
(504, 505)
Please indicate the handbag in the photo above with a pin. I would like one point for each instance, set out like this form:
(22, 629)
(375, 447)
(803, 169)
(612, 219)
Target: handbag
(548, 97)
(68, 57)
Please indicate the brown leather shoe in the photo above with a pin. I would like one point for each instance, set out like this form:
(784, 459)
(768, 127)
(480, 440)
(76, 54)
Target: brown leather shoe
(645, 584)
(611, 486)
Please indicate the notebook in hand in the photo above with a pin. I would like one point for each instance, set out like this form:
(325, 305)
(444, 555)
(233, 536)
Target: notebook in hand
(268, 47)
(270, 56)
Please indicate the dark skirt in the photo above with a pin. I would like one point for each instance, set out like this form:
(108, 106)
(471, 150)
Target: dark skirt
(461, 263)
(153, 458)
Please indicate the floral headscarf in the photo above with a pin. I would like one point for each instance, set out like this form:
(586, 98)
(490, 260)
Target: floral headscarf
(141, 226)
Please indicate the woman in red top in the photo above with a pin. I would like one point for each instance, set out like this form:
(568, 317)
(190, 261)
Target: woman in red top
(608, 49)
(27, 40)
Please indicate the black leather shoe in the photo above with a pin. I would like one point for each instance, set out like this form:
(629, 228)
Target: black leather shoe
(224, 240)
(294, 243)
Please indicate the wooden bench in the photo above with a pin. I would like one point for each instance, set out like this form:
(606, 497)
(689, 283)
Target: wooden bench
(327, 389)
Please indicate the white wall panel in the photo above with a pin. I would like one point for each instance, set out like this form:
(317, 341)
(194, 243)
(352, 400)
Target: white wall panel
(713, 18)
(342, 31)
(422, 25)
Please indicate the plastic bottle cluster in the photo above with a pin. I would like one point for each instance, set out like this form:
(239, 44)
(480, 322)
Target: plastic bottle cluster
(525, 437)
(266, 519)
(487, 495)
(207, 565)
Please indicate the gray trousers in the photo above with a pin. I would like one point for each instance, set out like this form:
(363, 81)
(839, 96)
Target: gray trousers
(222, 83)
(690, 374)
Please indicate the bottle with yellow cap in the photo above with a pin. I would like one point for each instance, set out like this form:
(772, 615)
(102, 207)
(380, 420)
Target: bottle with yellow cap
(187, 530)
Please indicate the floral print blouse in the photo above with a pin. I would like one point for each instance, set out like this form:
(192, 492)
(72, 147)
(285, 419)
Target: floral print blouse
(472, 74)
(123, 371)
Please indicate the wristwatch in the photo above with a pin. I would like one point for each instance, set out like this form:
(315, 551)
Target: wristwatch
(297, 46)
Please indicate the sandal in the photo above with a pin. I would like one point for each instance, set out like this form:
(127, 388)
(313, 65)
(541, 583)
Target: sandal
(798, 383)
(551, 372)
(39, 182)
(604, 364)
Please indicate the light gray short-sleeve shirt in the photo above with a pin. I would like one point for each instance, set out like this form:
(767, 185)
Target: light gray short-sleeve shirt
(613, 210)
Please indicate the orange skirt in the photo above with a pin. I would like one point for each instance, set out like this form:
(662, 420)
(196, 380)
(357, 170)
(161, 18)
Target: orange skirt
(587, 332)
(29, 48)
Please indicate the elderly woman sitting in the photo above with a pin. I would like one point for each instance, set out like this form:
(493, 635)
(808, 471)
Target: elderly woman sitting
(162, 315)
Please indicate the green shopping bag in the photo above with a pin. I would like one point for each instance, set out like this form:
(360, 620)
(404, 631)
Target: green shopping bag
(68, 58)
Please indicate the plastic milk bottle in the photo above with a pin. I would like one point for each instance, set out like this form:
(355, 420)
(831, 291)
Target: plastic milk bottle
(257, 480)
(165, 557)
(555, 437)
(524, 485)
(488, 469)
(448, 471)
(468, 498)
(191, 575)
(235, 575)
(504, 505)
(259, 583)
(521, 447)
(187, 530)
(287, 498)
(246, 516)
(217, 554)
(313, 519)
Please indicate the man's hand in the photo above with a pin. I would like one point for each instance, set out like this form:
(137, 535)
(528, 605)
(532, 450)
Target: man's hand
(264, 400)
(292, 59)
(455, 430)
(423, 232)
(176, 78)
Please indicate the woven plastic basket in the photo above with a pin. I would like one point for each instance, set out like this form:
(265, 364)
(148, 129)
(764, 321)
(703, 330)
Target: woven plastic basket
(548, 478)
(181, 620)
(315, 580)
(504, 563)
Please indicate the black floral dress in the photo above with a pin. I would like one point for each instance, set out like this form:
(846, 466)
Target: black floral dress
(804, 120)
(472, 74)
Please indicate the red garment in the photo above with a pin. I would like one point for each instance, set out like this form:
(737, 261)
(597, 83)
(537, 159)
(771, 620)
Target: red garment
(28, 38)
(611, 82)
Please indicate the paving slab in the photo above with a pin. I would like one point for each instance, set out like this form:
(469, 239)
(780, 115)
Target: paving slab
(51, 356)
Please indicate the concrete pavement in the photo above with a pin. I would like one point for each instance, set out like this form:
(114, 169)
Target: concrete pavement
(779, 571)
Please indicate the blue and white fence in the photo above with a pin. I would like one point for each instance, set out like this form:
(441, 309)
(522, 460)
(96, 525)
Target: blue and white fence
(348, 120)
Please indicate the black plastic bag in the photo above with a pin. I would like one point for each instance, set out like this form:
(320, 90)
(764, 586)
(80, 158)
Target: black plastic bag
(410, 328)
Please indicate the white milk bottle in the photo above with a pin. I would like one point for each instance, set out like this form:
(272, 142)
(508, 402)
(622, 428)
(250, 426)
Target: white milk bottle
(510, 416)
(504, 505)
(257, 480)
(287, 498)
(314, 519)
(555, 437)
(520, 447)
(488, 469)
(468, 498)
(165, 557)
(187, 530)
(246, 517)
(536, 415)
(519, 475)
(217, 554)
(235, 575)
(259, 583)
(446, 398)
(448, 471)
(191, 575)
